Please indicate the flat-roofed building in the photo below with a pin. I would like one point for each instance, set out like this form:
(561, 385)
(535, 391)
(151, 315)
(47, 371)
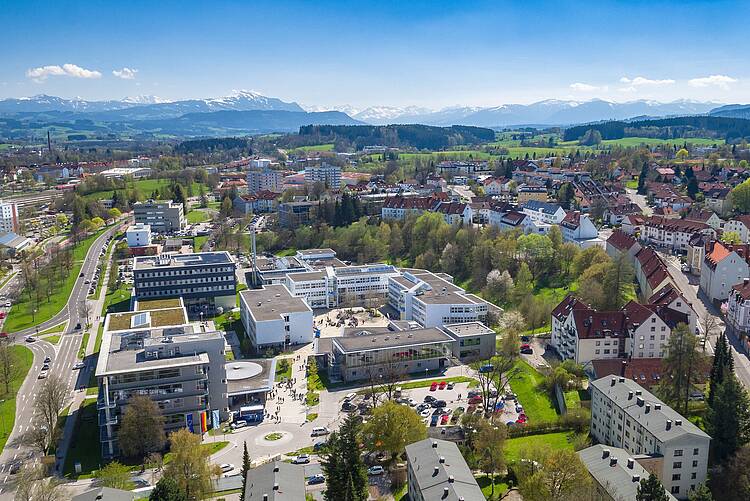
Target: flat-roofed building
(205, 280)
(264, 179)
(154, 351)
(472, 340)
(436, 470)
(625, 415)
(329, 175)
(273, 317)
(138, 235)
(164, 216)
(275, 481)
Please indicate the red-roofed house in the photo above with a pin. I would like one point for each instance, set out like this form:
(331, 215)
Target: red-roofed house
(671, 297)
(645, 371)
(620, 242)
(673, 234)
(455, 212)
(724, 266)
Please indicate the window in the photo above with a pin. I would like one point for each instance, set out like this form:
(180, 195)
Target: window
(675, 489)
(693, 476)
(676, 465)
(678, 452)
(695, 464)
(695, 451)
(676, 477)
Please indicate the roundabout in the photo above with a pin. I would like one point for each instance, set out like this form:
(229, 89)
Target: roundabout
(274, 438)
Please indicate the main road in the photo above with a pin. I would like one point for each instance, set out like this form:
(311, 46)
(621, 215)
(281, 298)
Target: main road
(63, 356)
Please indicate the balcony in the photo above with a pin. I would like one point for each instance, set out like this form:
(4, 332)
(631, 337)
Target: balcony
(101, 404)
(111, 421)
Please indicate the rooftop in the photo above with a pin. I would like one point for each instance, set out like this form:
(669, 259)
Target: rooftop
(374, 338)
(182, 260)
(156, 304)
(277, 480)
(468, 329)
(441, 471)
(272, 301)
(151, 318)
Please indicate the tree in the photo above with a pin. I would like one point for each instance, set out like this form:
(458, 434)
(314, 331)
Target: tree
(618, 282)
(651, 489)
(731, 481)
(9, 368)
(115, 475)
(49, 402)
(142, 428)
(524, 283)
(495, 373)
(681, 367)
(740, 197)
(731, 237)
(723, 364)
(700, 493)
(488, 444)
(592, 137)
(392, 427)
(682, 154)
(245, 467)
(728, 418)
(499, 284)
(190, 467)
(85, 309)
(346, 476)
(552, 475)
(642, 179)
(226, 207)
(114, 213)
(31, 485)
(166, 489)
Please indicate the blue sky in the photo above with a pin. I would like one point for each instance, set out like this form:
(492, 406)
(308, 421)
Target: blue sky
(398, 53)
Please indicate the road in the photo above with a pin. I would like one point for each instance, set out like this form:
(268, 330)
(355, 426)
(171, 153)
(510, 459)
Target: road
(639, 200)
(689, 287)
(63, 355)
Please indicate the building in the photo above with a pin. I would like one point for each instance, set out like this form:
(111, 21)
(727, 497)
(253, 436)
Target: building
(674, 234)
(620, 243)
(436, 470)
(13, 243)
(260, 163)
(738, 309)
(164, 216)
(121, 172)
(105, 494)
(455, 213)
(264, 180)
(138, 235)
(273, 318)
(329, 175)
(262, 202)
(9, 221)
(275, 481)
(625, 415)
(578, 228)
(154, 351)
(740, 225)
(400, 207)
(651, 272)
(471, 341)
(544, 213)
(433, 301)
(294, 214)
(645, 371)
(616, 473)
(205, 280)
(529, 193)
(718, 200)
(671, 297)
(724, 265)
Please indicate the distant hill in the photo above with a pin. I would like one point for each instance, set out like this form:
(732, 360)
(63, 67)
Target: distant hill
(732, 111)
(667, 128)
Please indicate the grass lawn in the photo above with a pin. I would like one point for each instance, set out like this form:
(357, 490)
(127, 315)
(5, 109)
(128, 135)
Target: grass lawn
(312, 416)
(197, 216)
(485, 483)
(536, 403)
(572, 399)
(84, 343)
(314, 147)
(54, 330)
(632, 184)
(144, 186)
(198, 243)
(85, 446)
(117, 300)
(558, 440)
(156, 304)
(53, 339)
(212, 447)
(21, 317)
(281, 371)
(25, 359)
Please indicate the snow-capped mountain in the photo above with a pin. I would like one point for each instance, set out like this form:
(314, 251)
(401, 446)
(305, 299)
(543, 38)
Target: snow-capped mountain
(144, 99)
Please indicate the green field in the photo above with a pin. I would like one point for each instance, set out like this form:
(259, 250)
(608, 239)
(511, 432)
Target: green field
(24, 358)
(144, 186)
(314, 147)
(54, 330)
(536, 403)
(21, 315)
(197, 216)
(514, 446)
(629, 142)
(198, 243)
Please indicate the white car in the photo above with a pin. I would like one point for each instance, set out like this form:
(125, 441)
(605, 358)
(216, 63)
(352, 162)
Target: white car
(375, 470)
(412, 402)
(8, 304)
(227, 467)
(426, 413)
(238, 424)
(301, 459)
(79, 365)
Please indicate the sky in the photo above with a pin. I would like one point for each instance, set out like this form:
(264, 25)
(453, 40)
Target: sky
(381, 53)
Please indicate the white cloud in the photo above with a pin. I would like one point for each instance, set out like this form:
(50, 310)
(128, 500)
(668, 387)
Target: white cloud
(584, 87)
(125, 73)
(721, 81)
(41, 73)
(643, 81)
(628, 90)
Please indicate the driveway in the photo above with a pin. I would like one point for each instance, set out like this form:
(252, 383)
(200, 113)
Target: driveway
(639, 200)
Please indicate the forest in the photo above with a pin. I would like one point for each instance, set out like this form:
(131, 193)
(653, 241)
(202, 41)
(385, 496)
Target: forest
(666, 128)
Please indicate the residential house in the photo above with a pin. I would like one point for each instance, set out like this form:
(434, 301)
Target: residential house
(706, 217)
(674, 234)
(724, 265)
(738, 311)
(718, 200)
(670, 296)
(578, 228)
(436, 470)
(620, 242)
(741, 225)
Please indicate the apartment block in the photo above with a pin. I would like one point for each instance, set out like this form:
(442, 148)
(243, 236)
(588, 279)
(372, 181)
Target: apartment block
(163, 216)
(138, 235)
(436, 470)
(9, 222)
(329, 175)
(625, 415)
(205, 280)
(155, 351)
(264, 180)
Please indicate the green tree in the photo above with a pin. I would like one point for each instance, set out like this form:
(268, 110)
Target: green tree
(392, 427)
(681, 367)
(730, 481)
(552, 475)
(740, 197)
(488, 447)
(142, 429)
(226, 207)
(651, 489)
(642, 178)
(731, 237)
(728, 418)
(618, 282)
(245, 467)
(524, 283)
(346, 476)
(114, 213)
(190, 467)
(166, 489)
(723, 364)
(682, 154)
(592, 137)
(115, 475)
(700, 493)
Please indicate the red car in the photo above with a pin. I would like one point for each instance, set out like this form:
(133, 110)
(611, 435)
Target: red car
(2, 314)
(3, 335)
(521, 419)
(444, 419)
(475, 399)
(442, 385)
(433, 386)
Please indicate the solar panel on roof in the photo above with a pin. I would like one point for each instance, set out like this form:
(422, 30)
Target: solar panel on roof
(140, 319)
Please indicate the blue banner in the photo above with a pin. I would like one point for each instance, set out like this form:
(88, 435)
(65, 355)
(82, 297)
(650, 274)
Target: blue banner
(189, 422)
(215, 419)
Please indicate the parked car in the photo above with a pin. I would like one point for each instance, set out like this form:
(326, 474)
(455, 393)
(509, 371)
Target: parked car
(2, 314)
(434, 420)
(476, 399)
(316, 479)
(433, 386)
(425, 413)
(439, 404)
(227, 467)
(442, 385)
(319, 431)
(47, 360)
(375, 470)
(450, 386)
(429, 398)
(527, 350)
(42, 375)
(3, 335)
(238, 424)
(301, 459)
(79, 365)
(444, 419)
(486, 368)
(412, 402)
(319, 445)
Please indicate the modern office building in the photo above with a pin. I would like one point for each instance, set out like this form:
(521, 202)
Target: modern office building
(273, 318)
(275, 481)
(138, 235)
(471, 341)
(205, 280)
(436, 470)
(616, 473)
(9, 222)
(163, 216)
(154, 351)
(625, 415)
(329, 175)
(294, 214)
(264, 180)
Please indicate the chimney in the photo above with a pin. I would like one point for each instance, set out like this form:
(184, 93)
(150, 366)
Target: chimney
(613, 381)
(446, 491)
(657, 407)
(636, 478)
(605, 453)
(622, 379)
(623, 366)
(435, 471)
(631, 463)
(630, 395)
(276, 486)
(638, 392)
(648, 408)
(451, 479)
(434, 444)
(276, 468)
(639, 401)
(613, 461)
(669, 424)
